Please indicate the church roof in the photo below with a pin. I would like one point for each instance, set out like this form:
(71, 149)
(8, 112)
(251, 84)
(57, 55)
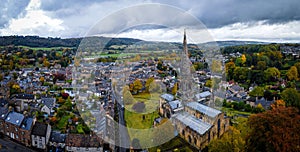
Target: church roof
(195, 124)
(211, 112)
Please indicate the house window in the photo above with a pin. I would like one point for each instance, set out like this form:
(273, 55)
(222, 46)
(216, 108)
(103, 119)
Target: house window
(17, 136)
(23, 133)
(16, 128)
(6, 126)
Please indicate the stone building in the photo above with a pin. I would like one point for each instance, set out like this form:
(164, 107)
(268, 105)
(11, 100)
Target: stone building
(40, 135)
(18, 127)
(195, 122)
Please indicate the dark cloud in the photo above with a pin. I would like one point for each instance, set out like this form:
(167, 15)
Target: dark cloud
(215, 13)
(11, 9)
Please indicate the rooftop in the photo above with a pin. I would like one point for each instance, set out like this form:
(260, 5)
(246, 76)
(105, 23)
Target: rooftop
(81, 140)
(27, 123)
(195, 124)
(39, 129)
(167, 97)
(175, 104)
(211, 112)
(203, 94)
(14, 118)
(57, 137)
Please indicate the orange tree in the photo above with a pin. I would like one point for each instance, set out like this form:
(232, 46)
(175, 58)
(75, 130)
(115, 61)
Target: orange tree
(274, 130)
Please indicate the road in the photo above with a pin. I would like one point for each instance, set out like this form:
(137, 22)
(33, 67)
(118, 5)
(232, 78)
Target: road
(123, 141)
(10, 146)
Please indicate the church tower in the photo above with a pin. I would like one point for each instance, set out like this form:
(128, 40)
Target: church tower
(186, 86)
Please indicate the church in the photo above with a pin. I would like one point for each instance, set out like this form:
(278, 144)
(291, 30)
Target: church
(195, 122)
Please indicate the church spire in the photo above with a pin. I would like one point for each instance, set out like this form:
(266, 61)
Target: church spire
(185, 49)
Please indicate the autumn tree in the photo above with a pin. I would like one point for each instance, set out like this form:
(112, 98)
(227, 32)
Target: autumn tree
(42, 79)
(257, 92)
(230, 141)
(291, 97)
(271, 74)
(292, 73)
(297, 65)
(274, 130)
(175, 88)
(229, 67)
(148, 83)
(240, 74)
(137, 85)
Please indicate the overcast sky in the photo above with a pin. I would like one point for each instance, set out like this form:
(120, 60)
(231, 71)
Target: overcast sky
(261, 20)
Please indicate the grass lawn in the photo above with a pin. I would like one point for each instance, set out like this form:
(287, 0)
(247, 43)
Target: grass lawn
(176, 144)
(139, 124)
(232, 112)
(135, 120)
(151, 101)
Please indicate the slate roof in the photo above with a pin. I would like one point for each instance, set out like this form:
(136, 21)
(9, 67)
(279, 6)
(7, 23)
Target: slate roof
(167, 97)
(195, 124)
(236, 88)
(49, 102)
(15, 118)
(3, 113)
(25, 96)
(203, 94)
(211, 112)
(39, 129)
(57, 137)
(27, 123)
(265, 103)
(175, 104)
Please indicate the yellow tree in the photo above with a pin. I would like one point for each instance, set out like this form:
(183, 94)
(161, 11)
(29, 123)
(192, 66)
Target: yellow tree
(175, 88)
(230, 141)
(42, 79)
(243, 59)
(292, 73)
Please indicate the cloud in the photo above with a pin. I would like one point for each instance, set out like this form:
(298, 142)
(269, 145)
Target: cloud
(10, 9)
(74, 18)
(259, 31)
(33, 21)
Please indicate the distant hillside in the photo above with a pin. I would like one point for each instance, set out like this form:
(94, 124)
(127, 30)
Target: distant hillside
(36, 41)
(233, 43)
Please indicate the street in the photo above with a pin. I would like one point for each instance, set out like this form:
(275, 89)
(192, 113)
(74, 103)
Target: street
(9, 146)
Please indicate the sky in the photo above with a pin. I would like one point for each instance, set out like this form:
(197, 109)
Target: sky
(254, 20)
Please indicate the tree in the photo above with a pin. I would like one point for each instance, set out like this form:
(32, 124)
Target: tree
(271, 74)
(46, 63)
(137, 85)
(297, 65)
(278, 104)
(261, 65)
(257, 92)
(274, 130)
(127, 96)
(292, 73)
(240, 74)
(291, 97)
(229, 67)
(175, 88)
(42, 79)
(148, 83)
(230, 141)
